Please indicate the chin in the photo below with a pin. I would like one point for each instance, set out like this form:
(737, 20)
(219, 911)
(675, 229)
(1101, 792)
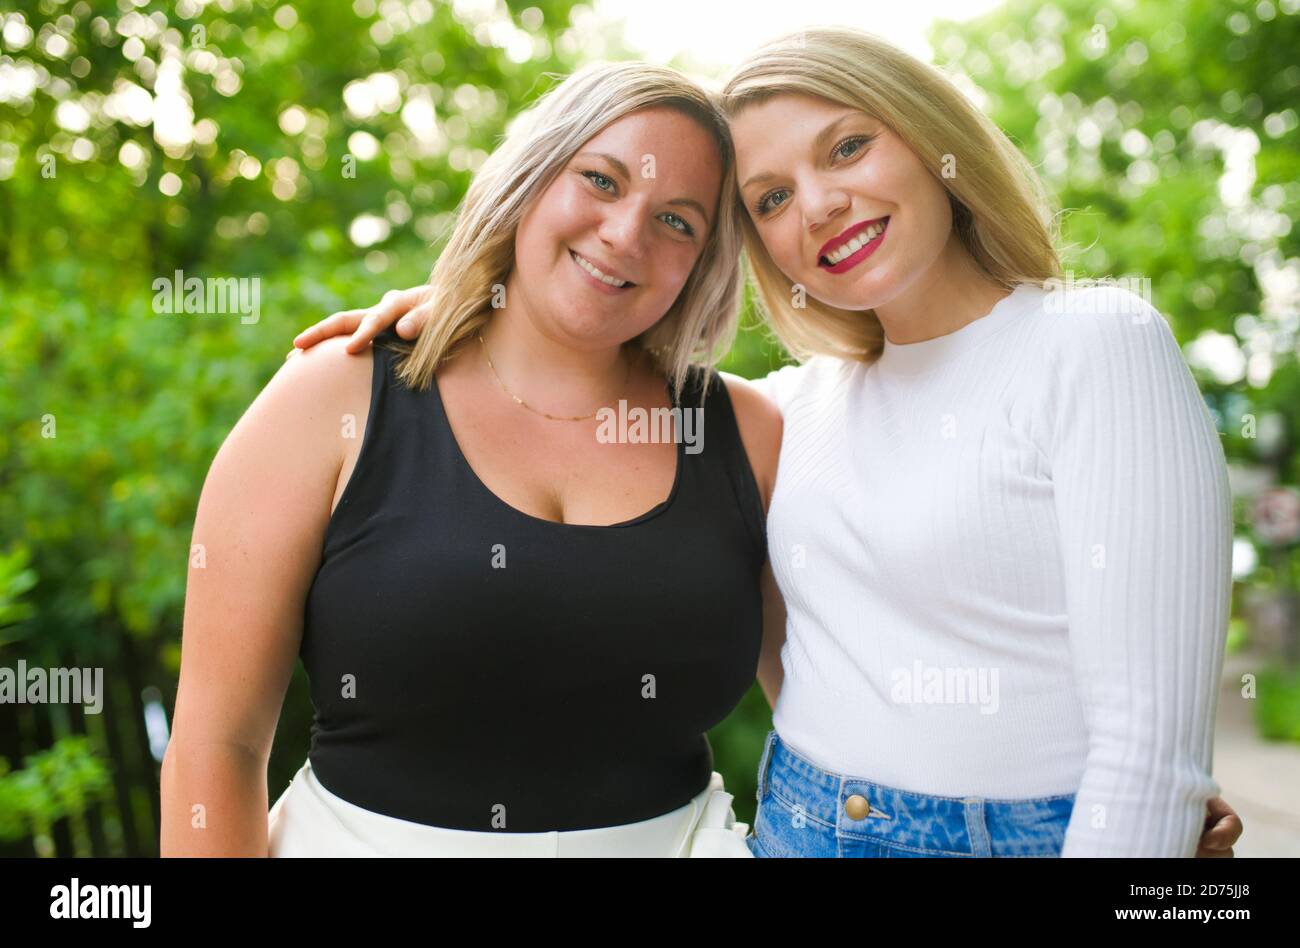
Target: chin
(585, 334)
(857, 296)
(870, 290)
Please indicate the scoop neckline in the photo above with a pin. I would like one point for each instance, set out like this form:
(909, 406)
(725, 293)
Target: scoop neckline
(655, 511)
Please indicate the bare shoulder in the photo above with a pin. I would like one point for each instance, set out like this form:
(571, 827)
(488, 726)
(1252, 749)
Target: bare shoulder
(326, 369)
(760, 424)
(753, 406)
(295, 422)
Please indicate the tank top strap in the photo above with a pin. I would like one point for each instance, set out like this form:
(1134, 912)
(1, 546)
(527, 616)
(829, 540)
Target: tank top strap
(718, 451)
(379, 449)
(415, 420)
(388, 348)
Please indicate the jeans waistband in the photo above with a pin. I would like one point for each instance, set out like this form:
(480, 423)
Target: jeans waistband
(960, 825)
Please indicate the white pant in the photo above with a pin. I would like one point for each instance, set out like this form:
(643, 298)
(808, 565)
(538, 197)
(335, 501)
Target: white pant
(308, 820)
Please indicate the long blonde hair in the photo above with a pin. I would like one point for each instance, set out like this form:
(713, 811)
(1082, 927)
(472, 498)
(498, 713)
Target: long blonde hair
(1001, 211)
(700, 325)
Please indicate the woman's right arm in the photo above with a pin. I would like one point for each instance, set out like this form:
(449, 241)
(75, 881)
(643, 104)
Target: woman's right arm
(258, 535)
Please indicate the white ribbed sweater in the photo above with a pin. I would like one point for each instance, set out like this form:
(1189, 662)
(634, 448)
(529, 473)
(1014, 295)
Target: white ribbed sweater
(1006, 559)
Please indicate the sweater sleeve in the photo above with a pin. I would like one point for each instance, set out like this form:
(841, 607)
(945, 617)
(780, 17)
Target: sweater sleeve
(1144, 516)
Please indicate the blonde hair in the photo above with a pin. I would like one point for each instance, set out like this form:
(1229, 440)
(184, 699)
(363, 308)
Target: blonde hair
(701, 323)
(1001, 211)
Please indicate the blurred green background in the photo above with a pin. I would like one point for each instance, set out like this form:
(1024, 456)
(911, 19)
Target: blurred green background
(322, 147)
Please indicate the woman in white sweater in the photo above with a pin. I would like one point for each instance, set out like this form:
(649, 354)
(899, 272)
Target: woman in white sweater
(1002, 522)
(1001, 526)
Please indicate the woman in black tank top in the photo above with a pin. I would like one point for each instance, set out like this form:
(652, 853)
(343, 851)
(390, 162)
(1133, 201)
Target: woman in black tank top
(479, 670)
(566, 672)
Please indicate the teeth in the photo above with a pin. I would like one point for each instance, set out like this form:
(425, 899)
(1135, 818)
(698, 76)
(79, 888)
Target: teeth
(856, 244)
(591, 268)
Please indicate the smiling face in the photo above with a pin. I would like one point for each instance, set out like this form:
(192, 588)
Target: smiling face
(605, 249)
(841, 203)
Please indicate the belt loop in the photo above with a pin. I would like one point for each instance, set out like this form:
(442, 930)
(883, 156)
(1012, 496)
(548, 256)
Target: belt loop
(763, 764)
(977, 827)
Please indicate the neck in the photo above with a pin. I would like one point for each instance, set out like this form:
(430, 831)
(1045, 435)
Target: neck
(953, 292)
(548, 373)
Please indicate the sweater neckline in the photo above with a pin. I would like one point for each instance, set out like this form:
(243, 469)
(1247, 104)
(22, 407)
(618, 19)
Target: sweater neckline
(914, 357)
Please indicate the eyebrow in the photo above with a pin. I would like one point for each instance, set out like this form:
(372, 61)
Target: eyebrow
(818, 143)
(693, 204)
(618, 165)
(676, 202)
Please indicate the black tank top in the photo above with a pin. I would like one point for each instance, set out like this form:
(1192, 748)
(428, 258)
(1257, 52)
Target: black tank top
(477, 668)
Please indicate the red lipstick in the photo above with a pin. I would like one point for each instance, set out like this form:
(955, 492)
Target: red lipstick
(862, 253)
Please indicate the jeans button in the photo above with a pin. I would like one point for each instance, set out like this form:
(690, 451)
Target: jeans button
(857, 807)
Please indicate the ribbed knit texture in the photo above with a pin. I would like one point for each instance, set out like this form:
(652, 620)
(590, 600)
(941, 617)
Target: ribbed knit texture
(1039, 498)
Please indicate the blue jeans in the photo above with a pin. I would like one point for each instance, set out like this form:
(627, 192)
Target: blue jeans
(804, 811)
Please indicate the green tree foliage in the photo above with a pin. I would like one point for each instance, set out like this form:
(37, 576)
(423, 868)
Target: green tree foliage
(321, 146)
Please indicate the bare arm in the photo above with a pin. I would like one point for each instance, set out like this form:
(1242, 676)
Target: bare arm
(760, 426)
(770, 673)
(258, 535)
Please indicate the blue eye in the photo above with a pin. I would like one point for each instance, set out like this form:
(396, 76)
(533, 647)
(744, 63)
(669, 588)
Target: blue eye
(856, 143)
(596, 178)
(769, 201)
(680, 226)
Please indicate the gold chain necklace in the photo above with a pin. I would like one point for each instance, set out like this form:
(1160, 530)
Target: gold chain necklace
(537, 411)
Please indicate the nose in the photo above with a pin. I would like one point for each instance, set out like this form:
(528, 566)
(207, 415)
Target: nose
(821, 203)
(621, 228)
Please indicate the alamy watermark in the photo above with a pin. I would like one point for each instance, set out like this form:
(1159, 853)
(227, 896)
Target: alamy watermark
(75, 900)
(949, 684)
(651, 426)
(211, 296)
(53, 686)
(1066, 296)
